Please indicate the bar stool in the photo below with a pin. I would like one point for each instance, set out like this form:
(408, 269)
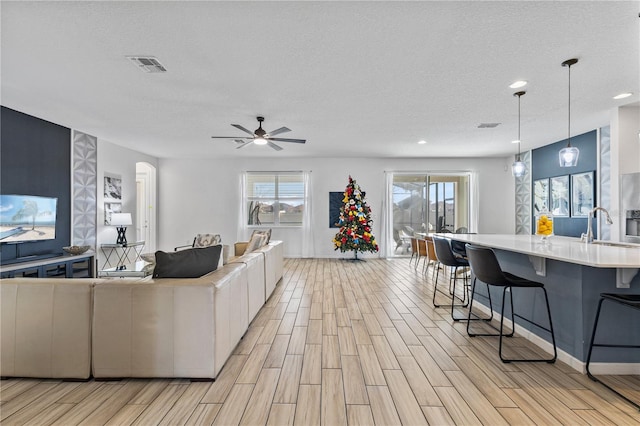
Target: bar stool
(485, 267)
(446, 257)
(628, 300)
(458, 248)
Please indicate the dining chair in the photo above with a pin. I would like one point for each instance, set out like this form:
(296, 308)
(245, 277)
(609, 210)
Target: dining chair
(414, 251)
(431, 255)
(423, 253)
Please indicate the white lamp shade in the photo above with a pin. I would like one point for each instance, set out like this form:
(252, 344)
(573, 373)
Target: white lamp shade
(260, 141)
(121, 219)
(568, 156)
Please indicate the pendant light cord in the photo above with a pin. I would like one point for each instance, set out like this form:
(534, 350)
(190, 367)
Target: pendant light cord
(568, 64)
(519, 95)
(569, 109)
(519, 140)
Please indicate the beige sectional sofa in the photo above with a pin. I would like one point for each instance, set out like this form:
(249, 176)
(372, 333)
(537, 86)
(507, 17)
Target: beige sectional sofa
(170, 327)
(46, 327)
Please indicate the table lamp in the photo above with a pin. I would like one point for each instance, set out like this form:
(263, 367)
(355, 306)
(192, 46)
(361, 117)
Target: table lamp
(121, 221)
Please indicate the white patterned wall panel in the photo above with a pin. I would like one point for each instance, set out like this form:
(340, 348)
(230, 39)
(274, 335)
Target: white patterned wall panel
(605, 181)
(84, 181)
(523, 197)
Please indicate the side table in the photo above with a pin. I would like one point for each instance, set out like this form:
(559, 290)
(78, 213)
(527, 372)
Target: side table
(121, 253)
(139, 269)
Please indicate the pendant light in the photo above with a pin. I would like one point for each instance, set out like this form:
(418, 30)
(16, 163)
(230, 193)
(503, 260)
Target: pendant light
(518, 167)
(569, 155)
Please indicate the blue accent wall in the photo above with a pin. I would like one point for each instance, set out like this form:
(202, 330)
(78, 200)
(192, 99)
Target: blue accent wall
(35, 159)
(545, 164)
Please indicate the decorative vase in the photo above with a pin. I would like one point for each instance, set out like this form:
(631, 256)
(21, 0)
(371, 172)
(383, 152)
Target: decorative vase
(544, 225)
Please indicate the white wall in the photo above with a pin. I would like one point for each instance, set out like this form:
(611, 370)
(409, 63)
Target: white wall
(625, 157)
(115, 159)
(202, 196)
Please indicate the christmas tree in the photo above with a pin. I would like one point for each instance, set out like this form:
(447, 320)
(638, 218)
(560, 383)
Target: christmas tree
(355, 223)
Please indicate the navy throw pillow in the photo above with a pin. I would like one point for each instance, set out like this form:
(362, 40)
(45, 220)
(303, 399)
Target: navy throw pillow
(190, 263)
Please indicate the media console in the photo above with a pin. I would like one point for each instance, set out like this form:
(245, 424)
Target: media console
(63, 266)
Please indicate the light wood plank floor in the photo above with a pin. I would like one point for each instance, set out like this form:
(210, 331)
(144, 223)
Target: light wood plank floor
(341, 343)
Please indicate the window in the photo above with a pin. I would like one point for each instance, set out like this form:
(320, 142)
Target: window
(274, 198)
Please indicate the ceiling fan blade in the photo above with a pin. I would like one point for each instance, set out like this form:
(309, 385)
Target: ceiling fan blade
(237, 126)
(229, 137)
(240, 141)
(274, 146)
(278, 131)
(288, 140)
(245, 144)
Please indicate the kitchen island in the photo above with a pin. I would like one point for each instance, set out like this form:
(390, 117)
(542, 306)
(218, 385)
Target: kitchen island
(574, 274)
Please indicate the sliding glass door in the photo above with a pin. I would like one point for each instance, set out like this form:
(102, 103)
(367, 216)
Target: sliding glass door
(425, 202)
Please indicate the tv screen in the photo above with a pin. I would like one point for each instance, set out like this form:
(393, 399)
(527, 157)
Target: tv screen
(27, 218)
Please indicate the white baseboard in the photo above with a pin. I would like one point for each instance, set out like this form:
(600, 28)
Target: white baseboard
(611, 368)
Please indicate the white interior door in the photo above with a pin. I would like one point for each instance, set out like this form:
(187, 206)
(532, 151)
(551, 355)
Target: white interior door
(146, 205)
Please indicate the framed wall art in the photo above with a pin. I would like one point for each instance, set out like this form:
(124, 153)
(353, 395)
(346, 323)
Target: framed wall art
(109, 208)
(112, 187)
(335, 204)
(541, 195)
(559, 201)
(582, 194)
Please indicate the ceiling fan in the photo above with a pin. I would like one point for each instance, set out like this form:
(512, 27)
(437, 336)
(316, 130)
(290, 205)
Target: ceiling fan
(260, 136)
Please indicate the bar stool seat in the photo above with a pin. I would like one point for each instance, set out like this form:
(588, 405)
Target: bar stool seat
(485, 267)
(630, 301)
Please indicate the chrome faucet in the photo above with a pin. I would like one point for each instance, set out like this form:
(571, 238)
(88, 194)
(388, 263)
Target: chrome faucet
(588, 237)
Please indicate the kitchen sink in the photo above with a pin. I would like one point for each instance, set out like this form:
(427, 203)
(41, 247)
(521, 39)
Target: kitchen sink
(614, 244)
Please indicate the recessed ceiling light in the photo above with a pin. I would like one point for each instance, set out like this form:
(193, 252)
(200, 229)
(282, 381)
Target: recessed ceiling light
(422, 142)
(518, 84)
(516, 141)
(623, 95)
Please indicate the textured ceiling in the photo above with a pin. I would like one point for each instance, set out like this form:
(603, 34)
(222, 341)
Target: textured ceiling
(356, 79)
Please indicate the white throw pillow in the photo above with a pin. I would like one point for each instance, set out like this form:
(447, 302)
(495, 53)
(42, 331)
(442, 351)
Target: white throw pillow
(256, 241)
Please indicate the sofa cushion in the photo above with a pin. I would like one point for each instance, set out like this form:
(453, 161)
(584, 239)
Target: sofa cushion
(190, 263)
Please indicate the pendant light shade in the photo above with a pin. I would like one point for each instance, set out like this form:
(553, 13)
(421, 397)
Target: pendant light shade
(518, 168)
(568, 155)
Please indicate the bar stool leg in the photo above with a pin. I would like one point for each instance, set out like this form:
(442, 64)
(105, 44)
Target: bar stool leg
(591, 345)
(477, 317)
(513, 315)
(593, 337)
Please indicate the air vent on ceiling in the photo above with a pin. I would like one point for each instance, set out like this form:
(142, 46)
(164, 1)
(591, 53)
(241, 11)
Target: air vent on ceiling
(147, 63)
(488, 125)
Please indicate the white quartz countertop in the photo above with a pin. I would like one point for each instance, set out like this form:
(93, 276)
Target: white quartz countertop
(566, 249)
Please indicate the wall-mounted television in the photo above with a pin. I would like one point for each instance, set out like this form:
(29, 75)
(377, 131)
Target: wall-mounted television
(27, 218)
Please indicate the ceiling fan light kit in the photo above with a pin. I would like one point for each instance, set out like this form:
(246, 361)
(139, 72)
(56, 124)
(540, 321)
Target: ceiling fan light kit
(260, 136)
